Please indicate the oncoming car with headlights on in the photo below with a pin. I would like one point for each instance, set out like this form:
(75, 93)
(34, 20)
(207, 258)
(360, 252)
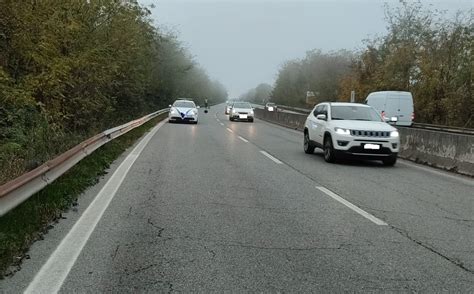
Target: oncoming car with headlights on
(350, 129)
(241, 111)
(183, 111)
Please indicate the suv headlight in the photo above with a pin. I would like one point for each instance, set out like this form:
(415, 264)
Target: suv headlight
(342, 131)
(394, 134)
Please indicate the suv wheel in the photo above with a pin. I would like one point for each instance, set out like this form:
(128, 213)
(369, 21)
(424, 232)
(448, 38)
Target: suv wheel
(390, 161)
(307, 145)
(329, 154)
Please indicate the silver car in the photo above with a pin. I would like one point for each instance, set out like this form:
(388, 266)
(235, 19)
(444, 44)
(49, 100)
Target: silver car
(183, 111)
(241, 111)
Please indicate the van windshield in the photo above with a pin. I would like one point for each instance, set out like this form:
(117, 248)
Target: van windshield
(354, 113)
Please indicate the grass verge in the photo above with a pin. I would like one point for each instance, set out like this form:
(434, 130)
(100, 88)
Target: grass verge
(32, 219)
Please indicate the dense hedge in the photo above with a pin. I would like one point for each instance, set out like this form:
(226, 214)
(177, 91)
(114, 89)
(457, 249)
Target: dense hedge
(424, 52)
(69, 69)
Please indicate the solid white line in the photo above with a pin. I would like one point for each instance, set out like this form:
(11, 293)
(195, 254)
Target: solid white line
(243, 139)
(352, 206)
(230, 130)
(51, 276)
(460, 178)
(218, 119)
(222, 124)
(271, 157)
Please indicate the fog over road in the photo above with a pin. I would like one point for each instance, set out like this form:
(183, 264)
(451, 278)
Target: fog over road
(239, 206)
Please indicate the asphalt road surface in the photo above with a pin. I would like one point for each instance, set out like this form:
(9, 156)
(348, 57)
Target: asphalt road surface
(236, 206)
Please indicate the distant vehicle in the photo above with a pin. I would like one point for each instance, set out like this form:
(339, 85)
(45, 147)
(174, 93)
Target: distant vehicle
(350, 129)
(228, 106)
(241, 111)
(183, 110)
(271, 106)
(393, 104)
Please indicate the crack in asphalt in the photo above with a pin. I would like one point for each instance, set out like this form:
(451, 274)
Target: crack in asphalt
(160, 229)
(454, 261)
(115, 252)
(403, 233)
(143, 268)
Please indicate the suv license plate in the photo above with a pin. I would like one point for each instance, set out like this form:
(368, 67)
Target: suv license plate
(243, 116)
(372, 146)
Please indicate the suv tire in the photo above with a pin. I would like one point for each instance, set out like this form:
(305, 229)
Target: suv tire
(390, 161)
(308, 146)
(329, 153)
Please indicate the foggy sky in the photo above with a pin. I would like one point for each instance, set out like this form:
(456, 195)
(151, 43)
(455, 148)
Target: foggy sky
(243, 43)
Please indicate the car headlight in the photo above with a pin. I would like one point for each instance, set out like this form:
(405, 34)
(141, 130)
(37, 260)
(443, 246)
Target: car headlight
(342, 131)
(174, 111)
(251, 112)
(394, 134)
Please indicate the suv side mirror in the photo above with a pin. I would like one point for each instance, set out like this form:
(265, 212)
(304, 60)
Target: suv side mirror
(198, 107)
(321, 117)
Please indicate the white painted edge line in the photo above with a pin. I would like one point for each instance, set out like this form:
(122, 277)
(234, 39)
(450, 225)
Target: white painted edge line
(461, 178)
(53, 273)
(222, 124)
(365, 214)
(243, 139)
(271, 157)
(230, 130)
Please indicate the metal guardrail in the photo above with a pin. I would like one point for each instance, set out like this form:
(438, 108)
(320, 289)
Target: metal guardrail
(447, 129)
(295, 109)
(20, 189)
(439, 128)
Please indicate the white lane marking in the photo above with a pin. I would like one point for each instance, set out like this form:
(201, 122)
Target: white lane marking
(352, 206)
(461, 178)
(271, 157)
(243, 139)
(230, 130)
(218, 119)
(222, 124)
(51, 276)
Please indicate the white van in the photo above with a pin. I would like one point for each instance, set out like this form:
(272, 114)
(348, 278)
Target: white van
(393, 104)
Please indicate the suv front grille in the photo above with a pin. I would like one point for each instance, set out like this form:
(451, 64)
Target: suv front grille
(373, 134)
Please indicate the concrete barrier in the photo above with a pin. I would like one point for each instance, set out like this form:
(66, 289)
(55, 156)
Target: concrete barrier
(453, 152)
(291, 120)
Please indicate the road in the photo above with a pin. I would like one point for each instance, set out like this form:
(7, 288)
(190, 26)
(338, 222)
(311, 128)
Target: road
(234, 206)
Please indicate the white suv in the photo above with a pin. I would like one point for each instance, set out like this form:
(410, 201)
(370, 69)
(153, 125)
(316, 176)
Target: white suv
(350, 129)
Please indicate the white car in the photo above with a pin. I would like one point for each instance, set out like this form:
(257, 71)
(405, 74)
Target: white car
(271, 106)
(183, 111)
(241, 111)
(350, 129)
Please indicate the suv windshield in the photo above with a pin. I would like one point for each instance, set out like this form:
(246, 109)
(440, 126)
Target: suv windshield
(242, 105)
(185, 104)
(354, 113)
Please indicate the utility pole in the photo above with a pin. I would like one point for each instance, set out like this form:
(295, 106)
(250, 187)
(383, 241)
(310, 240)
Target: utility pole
(353, 96)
